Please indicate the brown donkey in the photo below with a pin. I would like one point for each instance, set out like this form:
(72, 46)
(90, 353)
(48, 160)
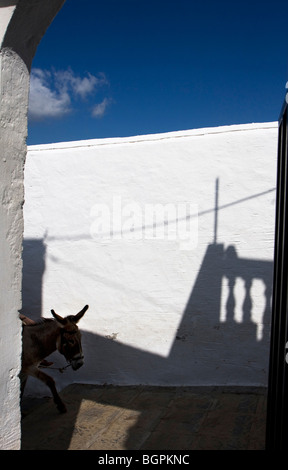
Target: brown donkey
(43, 338)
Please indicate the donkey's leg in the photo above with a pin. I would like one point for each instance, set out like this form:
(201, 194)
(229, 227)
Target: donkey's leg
(49, 381)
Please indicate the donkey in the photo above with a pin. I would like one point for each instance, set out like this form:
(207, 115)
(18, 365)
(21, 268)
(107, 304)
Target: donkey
(43, 338)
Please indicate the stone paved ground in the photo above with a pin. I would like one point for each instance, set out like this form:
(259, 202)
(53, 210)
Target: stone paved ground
(147, 418)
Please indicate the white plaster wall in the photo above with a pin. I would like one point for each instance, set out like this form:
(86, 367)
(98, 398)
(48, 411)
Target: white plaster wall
(162, 312)
(13, 150)
(13, 83)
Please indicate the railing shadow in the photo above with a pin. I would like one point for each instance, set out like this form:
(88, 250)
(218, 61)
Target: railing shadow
(209, 341)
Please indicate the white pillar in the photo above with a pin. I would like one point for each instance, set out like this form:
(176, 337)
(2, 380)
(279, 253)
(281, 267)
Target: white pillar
(22, 24)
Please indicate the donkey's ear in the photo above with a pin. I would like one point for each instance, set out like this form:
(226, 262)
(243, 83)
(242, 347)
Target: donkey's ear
(79, 315)
(58, 318)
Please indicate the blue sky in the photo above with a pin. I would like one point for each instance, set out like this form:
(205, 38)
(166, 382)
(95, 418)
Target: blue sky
(117, 68)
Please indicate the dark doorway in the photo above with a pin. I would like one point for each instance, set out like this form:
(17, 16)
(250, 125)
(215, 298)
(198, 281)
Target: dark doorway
(277, 408)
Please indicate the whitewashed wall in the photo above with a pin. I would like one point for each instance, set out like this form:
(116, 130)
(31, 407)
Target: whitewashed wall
(162, 311)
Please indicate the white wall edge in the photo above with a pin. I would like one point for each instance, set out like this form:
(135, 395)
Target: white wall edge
(154, 137)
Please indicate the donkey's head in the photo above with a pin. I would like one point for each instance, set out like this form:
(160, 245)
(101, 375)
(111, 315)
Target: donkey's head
(69, 340)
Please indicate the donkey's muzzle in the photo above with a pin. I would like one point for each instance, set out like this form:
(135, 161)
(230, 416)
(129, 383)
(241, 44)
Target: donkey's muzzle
(77, 362)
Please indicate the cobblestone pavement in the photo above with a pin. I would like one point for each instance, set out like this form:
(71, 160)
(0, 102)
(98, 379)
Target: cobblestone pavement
(147, 418)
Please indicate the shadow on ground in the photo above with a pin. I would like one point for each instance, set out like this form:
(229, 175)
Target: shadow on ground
(148, 418)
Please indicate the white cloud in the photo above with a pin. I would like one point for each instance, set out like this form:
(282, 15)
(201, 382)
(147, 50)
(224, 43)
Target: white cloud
(99, 109)
(80, 86)
(44, 101)
(52, 94)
